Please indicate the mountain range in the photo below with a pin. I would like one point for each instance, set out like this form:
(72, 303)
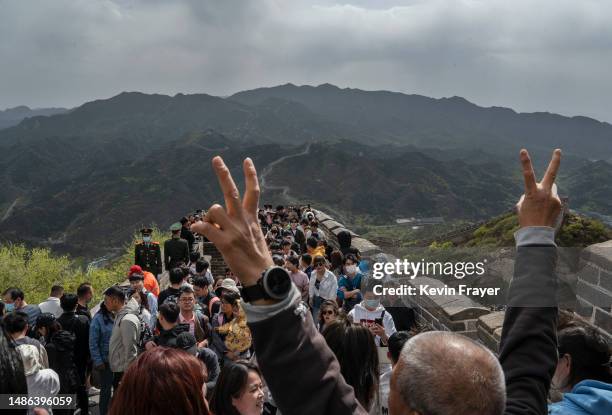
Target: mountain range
(13, 116)
(84, 179)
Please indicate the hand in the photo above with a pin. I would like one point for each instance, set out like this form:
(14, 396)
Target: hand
(202, 344)
(235, 229)
(377, 330)
(540, 205)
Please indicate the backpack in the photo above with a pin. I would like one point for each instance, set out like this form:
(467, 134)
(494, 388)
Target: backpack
(212, 302)
(144, 333)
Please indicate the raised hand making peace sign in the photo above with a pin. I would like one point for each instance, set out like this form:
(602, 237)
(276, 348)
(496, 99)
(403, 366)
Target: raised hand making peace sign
(235, 230)
(540, 205)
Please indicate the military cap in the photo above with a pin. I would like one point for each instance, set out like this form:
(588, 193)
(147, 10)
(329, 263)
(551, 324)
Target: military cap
(146, 231)
(176, 227)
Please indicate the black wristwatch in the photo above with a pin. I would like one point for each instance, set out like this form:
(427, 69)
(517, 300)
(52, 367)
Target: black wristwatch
(275, 283)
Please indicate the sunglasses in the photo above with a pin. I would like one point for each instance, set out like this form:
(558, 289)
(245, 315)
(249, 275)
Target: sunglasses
(327, 312)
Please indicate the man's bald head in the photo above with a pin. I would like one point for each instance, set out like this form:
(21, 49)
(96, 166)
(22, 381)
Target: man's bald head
(443, 373)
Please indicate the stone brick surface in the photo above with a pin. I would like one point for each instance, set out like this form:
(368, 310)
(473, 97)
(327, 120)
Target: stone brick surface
(594, 294)
(589, 273)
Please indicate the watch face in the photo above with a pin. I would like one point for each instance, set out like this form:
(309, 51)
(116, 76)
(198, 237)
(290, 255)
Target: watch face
(277, 283)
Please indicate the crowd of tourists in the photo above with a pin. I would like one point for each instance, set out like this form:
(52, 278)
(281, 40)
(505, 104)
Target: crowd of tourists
(183, 339)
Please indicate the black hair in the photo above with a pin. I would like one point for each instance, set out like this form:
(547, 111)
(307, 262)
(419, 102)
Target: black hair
(186, 289)
(327, 304)
(319, 259)
(307, 259)
(200, 281)
(176, 275)
(170, 311)
(278, 260)
(194, 256)
(14, 293)
(184, 220)
(312, 242)
(48, 321)
(201, 265)
(285, 243)
(589, 351)
(396, 343)
(13, 380)
(115, 292)
(275, 246)
(56, 290)
(230, 297)
(294, 260)
(230, 384)
(84, 289)
(15, 322)
(69, 301)
(357, 354)
(350, 257)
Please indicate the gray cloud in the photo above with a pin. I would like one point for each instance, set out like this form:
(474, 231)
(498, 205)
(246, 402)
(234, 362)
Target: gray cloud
(549, 55)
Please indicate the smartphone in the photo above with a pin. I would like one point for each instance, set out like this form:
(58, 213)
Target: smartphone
(378, 321)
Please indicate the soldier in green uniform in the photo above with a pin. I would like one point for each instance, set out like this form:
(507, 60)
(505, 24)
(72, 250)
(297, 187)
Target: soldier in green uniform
(147, 253)
(176, 249)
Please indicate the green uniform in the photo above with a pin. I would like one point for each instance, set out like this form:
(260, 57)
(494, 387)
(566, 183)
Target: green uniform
(148, 257)
(175, 251)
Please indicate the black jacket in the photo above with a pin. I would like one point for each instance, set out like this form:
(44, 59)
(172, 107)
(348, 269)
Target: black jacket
(79, 326)
(175, 251)
(187, 235)
(60, 350)
(167, 338)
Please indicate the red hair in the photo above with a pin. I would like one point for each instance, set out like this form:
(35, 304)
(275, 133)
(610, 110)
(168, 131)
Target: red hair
(161, 381)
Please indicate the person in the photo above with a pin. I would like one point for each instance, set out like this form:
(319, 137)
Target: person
(170, 294)
(208, 302)
(150, 281)
(231, 338)
(78, 325)
(198, 323)
(176, 250)
(345, 240)
(100, 332)
(336, 259)
(372, 314)
(306, 264)
(13, 380)
(125, 337)
(41, 381)
(85, 294)
(462, 370)
(287, 251)
(298, 234)
(14, 300)
(299, 278)
(170, 326)
(179, 390)
(396, 343)
(583, 372)
(202, 270)
(315, 232)
(147, 253)
(328, 313)
(239, 390)
(227, 285)
(354, 347)
(60, 350)
(52, 304)
(186, 234)
(16, 325)
(349, 283)
(137, 285)
(187, 342)
(313, 248)
(322, 286)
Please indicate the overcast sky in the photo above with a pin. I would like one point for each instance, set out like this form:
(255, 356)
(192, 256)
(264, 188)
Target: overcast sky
(537, 55)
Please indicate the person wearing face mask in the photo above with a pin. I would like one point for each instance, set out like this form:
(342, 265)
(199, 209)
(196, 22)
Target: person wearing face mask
(583, 373)
(239, 390)
(372, 314)
(349, 283)
(14, 300)
(147, 254)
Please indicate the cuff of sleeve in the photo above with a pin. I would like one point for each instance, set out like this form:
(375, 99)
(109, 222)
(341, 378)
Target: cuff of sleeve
(535, 235)
(255, 313)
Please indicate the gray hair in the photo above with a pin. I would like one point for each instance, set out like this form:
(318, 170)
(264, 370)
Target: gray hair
(443, 373)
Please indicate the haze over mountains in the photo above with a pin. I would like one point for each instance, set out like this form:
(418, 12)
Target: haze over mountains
(84, 179)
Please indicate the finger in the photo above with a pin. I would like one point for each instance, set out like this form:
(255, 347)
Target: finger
(217, 216)
(209, 230)
(551, 171)
(228, 187)
(528, 174)
(251, 193)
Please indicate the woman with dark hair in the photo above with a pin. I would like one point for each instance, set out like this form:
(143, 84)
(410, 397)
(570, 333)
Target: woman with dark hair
(356, 352)
(60, 351)
(12, 375)
(239, 390)
(336, 259)
(583, 372)
(162, 381)
(328, 314)
(100, 332)
(323, 285)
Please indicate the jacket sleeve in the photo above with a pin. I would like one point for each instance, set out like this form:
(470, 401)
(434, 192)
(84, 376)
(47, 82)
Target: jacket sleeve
(158, 261)
(528, 349)
(129, 337)
(94, 342)
(166, 257)
(289, 339)
(136, 256)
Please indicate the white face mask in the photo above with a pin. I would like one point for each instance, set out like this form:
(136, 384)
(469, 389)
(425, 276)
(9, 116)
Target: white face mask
(351, 269)
(146, 238)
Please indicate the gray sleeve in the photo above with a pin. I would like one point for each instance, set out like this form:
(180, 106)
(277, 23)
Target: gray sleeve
(535, 235)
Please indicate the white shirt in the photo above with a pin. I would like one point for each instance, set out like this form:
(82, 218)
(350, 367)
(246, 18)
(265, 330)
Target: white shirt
(51, 305)
(361, 315)
(328, 288)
